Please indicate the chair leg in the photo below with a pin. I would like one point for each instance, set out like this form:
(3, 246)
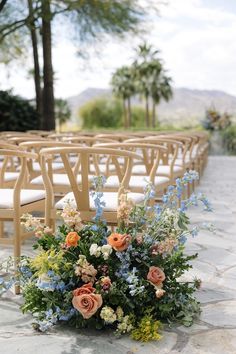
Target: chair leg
(17, 248)
(1, 229)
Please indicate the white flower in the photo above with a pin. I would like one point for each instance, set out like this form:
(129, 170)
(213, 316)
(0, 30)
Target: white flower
(108, 314)
(95, 250)
(125, 325)
(106, 251)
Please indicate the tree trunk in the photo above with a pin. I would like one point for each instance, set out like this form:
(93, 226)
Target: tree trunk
(154, 114)
(2, 4)
(48, 94)
(37, 78)
(147, 111)
(125, 114)
(129, 112)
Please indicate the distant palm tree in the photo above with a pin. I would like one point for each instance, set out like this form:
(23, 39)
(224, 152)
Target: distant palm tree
(124, 87)
(143, 74)
(160, 89)
(151, 80)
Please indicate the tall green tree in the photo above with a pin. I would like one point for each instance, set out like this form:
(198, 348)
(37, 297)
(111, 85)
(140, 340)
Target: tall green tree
(88, 20)
(123, 86)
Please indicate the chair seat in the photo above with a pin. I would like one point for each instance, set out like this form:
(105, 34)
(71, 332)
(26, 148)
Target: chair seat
(110, 198)
(27, 196)
(136, 181)
(55, 166)
(179, 161)
(165, 169)
(10, 176)
(60, 179)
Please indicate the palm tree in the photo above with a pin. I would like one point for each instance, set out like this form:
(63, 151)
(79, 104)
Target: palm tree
(62, 112)
(160, 89)
(124, 87)
(152, 82)
(145, 55)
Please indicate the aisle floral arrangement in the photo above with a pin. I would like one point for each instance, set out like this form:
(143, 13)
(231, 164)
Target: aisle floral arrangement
(130, 279)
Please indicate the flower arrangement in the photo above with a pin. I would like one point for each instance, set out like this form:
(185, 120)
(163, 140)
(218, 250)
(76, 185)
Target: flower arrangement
(128, 279)
(216, 121)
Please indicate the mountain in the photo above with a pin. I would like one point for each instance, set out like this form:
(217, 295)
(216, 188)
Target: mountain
(187, 107)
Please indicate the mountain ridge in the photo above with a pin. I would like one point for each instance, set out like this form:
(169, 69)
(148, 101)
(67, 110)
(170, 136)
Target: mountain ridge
(186, 107)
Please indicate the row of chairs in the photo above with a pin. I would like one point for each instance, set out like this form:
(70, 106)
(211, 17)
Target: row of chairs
(41, 171)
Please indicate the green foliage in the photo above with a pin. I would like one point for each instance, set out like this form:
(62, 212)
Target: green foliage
(138, 117)
(62, 111)
(17, 113)
(229, 139)
(101, 113)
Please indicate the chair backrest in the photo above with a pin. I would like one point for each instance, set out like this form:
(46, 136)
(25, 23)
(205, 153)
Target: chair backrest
(10, 163)
(23, 157)
(149, 154)
(81, 191)
(119, 137)
(86, 140)
(36, 146)
(172, 146)
(24, 138)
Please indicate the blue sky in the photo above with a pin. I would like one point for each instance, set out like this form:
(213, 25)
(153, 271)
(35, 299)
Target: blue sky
(196, 39)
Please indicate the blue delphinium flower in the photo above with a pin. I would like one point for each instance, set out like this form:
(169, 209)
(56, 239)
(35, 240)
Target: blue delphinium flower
(205, 201)
(124, 258)
(133, 282)
(98, 182)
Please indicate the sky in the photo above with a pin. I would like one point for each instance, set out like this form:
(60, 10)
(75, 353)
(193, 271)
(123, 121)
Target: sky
(196, 39)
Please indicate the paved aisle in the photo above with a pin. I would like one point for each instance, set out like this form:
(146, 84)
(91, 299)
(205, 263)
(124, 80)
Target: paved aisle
(214, 333)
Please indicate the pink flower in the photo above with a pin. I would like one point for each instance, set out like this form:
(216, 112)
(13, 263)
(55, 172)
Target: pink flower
(156, 276)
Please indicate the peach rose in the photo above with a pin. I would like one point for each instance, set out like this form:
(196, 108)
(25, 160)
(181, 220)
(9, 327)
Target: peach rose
(72, 239)
(85, 289)
(119, 242)
(156, 276)
(87, 304)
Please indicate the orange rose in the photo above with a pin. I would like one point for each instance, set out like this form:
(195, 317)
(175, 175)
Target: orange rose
(85, 289)
(119, 242)
(72, 239)
(156, 276)
(87, 304)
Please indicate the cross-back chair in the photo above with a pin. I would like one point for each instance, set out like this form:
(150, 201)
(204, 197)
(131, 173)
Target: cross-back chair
(80, 194)
(17, 201)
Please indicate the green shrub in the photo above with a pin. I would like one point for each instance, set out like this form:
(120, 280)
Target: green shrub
(138, 117)
(101, 113)
(17, 113)
(229, 139)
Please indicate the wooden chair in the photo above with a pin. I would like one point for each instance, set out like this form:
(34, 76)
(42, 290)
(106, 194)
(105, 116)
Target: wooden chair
(34, 167)
(167, 167)
(149, 158)
(80, 196)
(58, 176)
(17, 201)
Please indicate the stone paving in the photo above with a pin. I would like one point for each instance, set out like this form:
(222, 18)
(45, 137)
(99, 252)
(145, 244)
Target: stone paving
(213, 333)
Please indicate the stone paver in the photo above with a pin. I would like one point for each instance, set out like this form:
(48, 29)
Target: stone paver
(213, 333)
